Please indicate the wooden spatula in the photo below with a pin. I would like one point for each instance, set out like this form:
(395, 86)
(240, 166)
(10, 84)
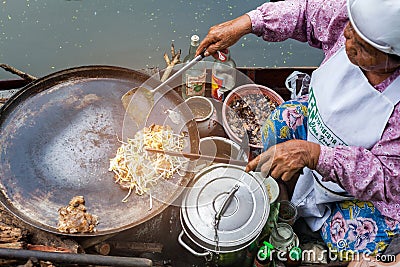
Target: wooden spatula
(199, 156)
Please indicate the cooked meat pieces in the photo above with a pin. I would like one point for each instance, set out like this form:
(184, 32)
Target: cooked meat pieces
(75, 219)
(247, 114)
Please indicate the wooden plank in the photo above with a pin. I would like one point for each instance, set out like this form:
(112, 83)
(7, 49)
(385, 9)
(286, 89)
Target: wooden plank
(4, 262)
(12, 84)
(9, 234)
(13, 245)
(32, 235)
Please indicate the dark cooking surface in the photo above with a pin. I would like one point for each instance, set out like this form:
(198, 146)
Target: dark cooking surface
(56, 140)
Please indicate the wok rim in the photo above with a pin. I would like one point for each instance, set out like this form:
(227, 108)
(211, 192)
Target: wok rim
(32, 89)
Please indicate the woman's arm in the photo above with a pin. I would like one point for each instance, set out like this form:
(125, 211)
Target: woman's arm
(318, 22)
(372, 175)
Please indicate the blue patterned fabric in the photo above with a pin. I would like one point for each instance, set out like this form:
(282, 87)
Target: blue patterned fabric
(353, 226)
(357, 226)
(288, 121)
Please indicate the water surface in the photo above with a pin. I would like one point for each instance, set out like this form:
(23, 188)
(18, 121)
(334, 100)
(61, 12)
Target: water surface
(43, 36)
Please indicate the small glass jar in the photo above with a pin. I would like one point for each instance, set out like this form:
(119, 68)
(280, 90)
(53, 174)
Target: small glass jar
(285, 240)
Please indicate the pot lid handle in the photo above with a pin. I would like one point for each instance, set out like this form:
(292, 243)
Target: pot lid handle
(225, 204)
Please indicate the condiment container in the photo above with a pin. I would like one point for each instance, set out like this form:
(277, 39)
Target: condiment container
(223, 212)
(283, 238)
(194, 79)
(287, 212)
(236, 128)
(223, 75)
(264, 256)
(204, 114)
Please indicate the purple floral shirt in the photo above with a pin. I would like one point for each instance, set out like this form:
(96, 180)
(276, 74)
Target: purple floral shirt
(370, 175)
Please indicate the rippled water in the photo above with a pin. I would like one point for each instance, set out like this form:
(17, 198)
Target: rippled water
(43, 36)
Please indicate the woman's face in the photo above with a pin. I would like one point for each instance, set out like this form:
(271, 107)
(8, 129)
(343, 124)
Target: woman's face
(363, 54)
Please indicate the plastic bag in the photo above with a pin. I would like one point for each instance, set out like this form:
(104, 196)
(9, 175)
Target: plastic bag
(298, 83)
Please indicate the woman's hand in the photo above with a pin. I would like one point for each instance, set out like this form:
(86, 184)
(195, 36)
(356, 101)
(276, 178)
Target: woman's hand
(286, 159)
(224, 35)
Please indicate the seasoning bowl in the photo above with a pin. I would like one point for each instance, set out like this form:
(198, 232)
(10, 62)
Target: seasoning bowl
(204, 114)
(236, 101)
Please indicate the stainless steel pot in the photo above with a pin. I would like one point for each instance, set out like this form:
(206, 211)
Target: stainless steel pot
(223, 212)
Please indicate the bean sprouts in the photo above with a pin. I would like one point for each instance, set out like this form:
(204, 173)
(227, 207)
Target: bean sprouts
(138, 170)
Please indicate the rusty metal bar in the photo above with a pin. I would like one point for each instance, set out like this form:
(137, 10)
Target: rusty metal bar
(69, 258)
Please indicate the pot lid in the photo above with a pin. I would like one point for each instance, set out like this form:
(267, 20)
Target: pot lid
(239, 197)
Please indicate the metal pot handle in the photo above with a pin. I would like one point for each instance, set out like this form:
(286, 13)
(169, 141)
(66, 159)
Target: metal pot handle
(198, 254)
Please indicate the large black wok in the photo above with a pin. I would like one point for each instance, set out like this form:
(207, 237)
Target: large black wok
(57, 136)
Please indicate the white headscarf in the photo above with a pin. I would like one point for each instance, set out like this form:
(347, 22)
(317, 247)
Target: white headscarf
(377, 22)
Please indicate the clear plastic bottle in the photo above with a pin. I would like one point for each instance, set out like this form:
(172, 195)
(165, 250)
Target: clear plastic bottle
(194, 79)
(223, 77)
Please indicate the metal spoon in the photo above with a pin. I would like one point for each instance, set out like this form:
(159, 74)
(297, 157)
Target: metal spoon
(276, 225)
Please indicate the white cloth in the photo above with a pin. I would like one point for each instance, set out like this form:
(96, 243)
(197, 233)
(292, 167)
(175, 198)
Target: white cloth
(377, 22)
(343, 109)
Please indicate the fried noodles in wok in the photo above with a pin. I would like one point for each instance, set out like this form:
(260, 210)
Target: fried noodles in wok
(137, 170)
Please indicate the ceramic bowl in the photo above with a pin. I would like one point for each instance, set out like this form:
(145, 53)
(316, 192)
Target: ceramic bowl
(239, 93)
(271, 185)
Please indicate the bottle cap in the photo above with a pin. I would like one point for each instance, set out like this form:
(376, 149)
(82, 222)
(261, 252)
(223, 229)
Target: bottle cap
(295, 254)
(194, 40)
(221, 56)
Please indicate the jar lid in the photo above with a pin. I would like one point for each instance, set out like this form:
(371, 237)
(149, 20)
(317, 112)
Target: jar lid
(243, 217)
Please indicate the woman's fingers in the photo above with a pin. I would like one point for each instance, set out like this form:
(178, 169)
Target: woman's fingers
(286, 159)
(207, 42)
(267, 169)
(203, 46)
(251, 166)
(288, 175)
(224, 35)
(214, 41)
(260, 160)
(278, 171)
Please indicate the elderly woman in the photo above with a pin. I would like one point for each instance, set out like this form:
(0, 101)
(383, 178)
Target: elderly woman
(349, 157)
